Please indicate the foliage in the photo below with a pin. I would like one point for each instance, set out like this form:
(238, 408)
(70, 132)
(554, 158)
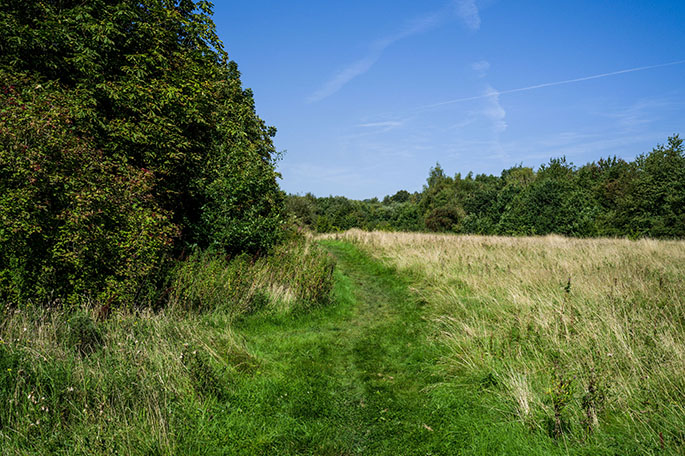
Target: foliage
(612, 197)
(125, 137)
(174, 380)
(655, 203)
(297, 272)
(73, 221)
(443, 219)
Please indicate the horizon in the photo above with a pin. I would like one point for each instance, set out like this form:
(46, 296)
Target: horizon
(368, 97)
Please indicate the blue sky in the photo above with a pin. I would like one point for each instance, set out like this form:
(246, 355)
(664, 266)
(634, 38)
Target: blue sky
(368, 95)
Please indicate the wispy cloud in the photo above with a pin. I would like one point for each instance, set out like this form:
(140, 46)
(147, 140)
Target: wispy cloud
(344, 76)
(579, 151)
(494, 111)
(308, 172)
(384, 124)
(469, 14)
(465, 9)
(642, 112)
(481, 68)
(555, 83)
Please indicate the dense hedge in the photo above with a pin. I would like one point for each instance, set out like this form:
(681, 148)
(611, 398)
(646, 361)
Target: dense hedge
(125, 138)
(71, 216)
(611, 197)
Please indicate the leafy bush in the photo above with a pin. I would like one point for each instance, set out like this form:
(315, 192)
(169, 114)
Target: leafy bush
(444, 219)
(297, 273)
(125, 136)
(73, 221)
(84, 335)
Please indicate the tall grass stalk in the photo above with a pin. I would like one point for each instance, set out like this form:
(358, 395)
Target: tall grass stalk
(573, 336)
(144, 381)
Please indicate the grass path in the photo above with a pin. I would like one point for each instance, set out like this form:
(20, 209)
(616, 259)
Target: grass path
(356, 377)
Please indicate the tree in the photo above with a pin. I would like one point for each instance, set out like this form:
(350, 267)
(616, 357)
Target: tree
(553, 202)
(148, 86)
(442, 219)
(655, 204)
(609, 182)
(401, 196)
(303, 208)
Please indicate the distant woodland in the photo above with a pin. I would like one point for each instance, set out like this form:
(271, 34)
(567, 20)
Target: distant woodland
(610, 197)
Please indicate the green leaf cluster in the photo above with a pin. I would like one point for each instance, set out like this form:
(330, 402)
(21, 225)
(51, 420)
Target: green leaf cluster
(611, 197)
(126, 137)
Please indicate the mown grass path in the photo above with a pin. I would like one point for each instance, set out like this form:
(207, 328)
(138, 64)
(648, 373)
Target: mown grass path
(356, 377)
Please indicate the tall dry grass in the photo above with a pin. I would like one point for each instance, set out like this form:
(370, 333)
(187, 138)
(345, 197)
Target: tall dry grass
(73, 381)
(297, 274)
(573, 335)
(121, 395)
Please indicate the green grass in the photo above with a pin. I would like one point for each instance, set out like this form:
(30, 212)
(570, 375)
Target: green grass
(580, 341)
(364, 374)
(356, 377)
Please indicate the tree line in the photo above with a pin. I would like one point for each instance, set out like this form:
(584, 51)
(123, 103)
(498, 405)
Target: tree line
(644, 197)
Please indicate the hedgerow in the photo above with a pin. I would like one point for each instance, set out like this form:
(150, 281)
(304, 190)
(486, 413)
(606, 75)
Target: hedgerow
(126, 139)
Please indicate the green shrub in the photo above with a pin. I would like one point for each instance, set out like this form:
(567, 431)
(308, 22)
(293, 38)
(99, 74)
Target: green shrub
(125, 135)
(443, 219)
(297, 272)
(72, 220)
(84, 336)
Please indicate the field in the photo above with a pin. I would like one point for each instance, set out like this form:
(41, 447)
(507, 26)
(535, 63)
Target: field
(414, 344)
(581, 339)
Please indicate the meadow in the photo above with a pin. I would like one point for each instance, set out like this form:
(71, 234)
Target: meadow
(160, 294)
(146, 380)
(579, 339)
(366, 343)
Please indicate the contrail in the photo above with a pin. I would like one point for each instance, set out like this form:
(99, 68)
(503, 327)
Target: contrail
(551, 84)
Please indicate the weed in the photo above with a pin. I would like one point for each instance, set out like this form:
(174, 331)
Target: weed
(560, 395)
(204, 376)
(593, 400)
(297, 274)
(84, 335)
